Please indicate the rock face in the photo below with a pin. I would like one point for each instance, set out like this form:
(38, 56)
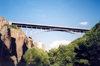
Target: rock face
(13, 44)
(3, 21)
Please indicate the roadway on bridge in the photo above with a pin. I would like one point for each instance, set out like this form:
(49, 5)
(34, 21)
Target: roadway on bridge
(51, 28)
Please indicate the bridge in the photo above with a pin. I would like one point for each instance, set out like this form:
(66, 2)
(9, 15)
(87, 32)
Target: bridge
(50, 28)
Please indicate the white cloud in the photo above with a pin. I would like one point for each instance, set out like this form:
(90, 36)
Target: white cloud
(56, 43)
(84, 23)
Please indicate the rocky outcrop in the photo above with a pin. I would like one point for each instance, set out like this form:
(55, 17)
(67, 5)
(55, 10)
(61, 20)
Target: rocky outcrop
(13, 44)
(21, 41)
(3, 21)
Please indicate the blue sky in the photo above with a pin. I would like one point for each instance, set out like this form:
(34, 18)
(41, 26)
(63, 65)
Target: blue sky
(68, 13)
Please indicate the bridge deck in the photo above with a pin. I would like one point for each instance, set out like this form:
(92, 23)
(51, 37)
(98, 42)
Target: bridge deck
(52, 28)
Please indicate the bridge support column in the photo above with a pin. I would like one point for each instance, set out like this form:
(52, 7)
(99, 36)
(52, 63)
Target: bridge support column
(26, 30)
(21, 26)
(31, 31)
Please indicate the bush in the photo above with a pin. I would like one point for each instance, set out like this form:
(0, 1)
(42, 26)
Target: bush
(36, 56)
(14, 26)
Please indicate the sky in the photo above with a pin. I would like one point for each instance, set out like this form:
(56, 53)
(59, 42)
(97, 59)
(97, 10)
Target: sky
(67, 13)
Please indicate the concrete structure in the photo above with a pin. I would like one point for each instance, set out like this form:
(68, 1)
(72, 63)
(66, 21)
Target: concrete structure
(40, 45)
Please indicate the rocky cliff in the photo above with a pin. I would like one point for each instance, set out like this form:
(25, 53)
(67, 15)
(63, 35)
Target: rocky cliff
(13, 43)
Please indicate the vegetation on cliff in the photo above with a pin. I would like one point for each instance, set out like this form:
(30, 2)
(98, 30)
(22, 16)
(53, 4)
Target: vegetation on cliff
(10, 26)
(14, 26)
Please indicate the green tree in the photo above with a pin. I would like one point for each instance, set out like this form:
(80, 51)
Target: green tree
(53, 56)
(84, 51)
(36, 56)
(62, 56)
(89, 48)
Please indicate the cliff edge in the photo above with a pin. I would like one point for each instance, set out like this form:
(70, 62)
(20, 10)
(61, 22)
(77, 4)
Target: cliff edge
(13, 43)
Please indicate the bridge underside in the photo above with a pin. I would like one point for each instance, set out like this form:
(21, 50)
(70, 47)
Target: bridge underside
(52, 28)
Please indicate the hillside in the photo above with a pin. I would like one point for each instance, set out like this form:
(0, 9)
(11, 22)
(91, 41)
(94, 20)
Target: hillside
(89, 47)
(84, 51)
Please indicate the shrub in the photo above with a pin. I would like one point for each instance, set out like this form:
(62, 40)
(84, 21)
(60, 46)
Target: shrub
(14, 26)
(36, 56)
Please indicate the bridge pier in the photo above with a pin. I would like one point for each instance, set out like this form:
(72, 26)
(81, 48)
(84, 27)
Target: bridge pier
(31, 31)
(26, 30)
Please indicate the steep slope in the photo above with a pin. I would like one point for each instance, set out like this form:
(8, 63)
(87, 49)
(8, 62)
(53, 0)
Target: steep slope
(84, 51)
(89, 47)
(13, 43)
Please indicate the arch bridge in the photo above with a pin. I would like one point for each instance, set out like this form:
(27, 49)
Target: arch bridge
(50, 28)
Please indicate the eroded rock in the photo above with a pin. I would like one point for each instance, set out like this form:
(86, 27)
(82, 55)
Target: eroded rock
(13, 44)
